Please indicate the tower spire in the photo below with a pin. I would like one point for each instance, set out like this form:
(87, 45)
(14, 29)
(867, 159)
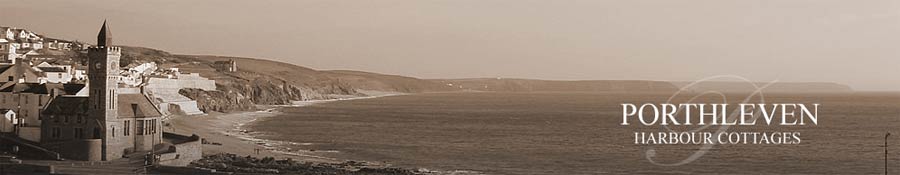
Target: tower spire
(105, 36)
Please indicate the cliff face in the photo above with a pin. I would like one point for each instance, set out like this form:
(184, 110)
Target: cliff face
(218, 100)
(248, 93)
(263, 82)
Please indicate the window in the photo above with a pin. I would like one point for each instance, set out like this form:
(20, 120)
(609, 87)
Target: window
(65, 119)
(10, 78)
(140, 127)
(113, 132)
(97, 133)
(55, 132)
(79, 133)
(127, 127)
(55, 118)
(79, 119)
(153, 126)
(109, 99)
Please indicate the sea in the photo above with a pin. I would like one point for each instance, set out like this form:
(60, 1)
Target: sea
(581, 133)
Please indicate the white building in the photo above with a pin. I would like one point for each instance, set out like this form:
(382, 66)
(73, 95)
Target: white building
(8, 121)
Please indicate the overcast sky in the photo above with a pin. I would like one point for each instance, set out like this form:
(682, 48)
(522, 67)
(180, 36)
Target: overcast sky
(850, 42)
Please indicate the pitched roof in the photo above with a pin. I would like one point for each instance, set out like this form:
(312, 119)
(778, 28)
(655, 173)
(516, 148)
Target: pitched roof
(72, 88)
(52, 69)
(67, 105)
(130, 106)
(136, 106)
(45, 88)
(3, 68)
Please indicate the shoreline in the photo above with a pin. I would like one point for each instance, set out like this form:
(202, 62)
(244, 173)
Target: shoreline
(228, 132)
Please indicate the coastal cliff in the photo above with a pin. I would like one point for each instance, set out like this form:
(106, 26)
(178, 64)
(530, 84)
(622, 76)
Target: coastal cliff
(265, 82)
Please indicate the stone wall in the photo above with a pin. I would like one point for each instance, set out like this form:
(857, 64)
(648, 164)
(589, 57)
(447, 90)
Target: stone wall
(85, 149)
(117, 143)
(30, 133)
(7, 122)
(165, 92)
(184, 170)
(27, 169)
(186, 150)
(183, 81)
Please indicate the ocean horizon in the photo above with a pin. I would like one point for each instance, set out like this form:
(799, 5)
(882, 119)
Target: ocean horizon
(570, 133)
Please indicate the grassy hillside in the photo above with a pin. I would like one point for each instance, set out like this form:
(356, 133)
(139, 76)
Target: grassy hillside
(267, 82)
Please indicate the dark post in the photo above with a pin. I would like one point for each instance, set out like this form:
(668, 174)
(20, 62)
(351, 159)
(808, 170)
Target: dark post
(886, 153)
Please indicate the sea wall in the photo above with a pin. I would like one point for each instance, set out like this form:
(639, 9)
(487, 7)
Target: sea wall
(27, 169)
(86, 149)
(165, 91)
(186, 149)
(163, 169)
(168, 85)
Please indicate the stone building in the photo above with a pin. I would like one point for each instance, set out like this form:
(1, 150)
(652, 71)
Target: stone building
(225, 66)
(55, 73)
(28, 100)
(106, 124)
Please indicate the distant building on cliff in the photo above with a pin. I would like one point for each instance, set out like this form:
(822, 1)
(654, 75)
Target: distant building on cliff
(225, 66)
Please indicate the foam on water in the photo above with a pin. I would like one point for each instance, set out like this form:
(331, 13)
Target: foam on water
(282, 147)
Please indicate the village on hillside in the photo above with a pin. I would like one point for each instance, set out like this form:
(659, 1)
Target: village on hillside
(57, 104)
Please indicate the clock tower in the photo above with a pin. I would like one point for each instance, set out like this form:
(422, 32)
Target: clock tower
(103, 79)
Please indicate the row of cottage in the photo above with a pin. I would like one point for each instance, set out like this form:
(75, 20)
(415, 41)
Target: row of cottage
(25, 39)
(96, 112)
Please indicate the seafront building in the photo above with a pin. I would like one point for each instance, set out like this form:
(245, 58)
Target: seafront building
(100, 114)
(51, 106)
(106, 124)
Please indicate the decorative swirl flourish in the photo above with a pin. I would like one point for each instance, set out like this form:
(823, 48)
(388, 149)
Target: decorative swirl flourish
(651, 152)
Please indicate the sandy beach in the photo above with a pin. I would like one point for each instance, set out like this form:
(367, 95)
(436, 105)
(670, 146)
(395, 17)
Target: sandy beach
(226, 132)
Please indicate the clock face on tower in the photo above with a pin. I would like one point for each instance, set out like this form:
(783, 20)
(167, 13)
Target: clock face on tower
(97, 66)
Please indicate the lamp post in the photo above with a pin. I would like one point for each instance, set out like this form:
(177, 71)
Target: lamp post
(886, 153)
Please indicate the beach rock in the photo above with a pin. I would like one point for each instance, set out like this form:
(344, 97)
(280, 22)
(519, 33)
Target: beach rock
(269, 165)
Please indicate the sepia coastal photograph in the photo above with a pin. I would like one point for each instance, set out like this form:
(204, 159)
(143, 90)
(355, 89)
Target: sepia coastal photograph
(449, 87)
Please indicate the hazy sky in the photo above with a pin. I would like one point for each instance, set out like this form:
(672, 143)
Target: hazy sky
(851, 42)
